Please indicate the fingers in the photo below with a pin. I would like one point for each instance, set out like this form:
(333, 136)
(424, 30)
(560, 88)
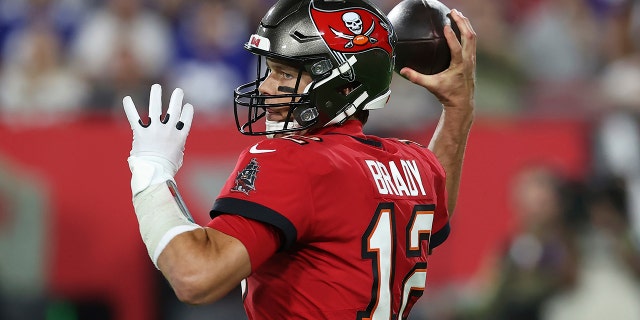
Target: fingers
(131, 111)
(175, 104)
(454, 46)
(410, 74)
(467, 35)
(186, 118)
(423, 80)
(155, 102)
(462, 22)
(181, 119)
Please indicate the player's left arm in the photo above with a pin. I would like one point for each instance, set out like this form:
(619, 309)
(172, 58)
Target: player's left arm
(455, 89)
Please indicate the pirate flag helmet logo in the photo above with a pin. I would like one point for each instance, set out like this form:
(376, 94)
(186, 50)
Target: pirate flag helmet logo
(352, 30)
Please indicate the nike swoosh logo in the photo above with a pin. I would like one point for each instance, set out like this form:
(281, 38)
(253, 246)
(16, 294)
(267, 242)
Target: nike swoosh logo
(255, 149)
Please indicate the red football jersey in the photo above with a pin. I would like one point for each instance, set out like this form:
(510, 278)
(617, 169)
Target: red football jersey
(356, 216)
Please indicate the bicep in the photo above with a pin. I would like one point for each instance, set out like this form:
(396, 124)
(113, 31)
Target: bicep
(261, 240)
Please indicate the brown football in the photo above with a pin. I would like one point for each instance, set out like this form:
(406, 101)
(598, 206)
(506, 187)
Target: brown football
(419, 25)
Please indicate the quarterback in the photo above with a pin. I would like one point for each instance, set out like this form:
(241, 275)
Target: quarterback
(318, 220)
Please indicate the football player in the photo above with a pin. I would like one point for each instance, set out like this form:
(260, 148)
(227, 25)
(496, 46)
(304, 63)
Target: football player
(321, 221)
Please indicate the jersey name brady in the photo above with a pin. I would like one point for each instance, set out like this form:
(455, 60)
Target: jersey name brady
(390, 181)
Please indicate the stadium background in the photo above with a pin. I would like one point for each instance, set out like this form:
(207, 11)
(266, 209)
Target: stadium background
(558, 94)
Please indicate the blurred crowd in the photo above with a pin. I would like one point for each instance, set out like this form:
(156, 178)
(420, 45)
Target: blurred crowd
(59, 58)
(572, 254)
(64, 57)
(575, 253)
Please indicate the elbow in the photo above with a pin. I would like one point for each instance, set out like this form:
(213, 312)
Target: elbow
(197, 287)
(191, 291)
(191, 297)
(200, 274)
(187, 293)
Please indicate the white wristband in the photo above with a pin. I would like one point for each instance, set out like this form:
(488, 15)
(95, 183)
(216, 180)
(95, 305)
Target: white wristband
(148, 170)
(160, 217)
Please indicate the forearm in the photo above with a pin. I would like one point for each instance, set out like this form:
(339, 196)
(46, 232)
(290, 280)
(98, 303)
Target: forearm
(455, 89)
(160, 217)
(449, 143)
(201, 264)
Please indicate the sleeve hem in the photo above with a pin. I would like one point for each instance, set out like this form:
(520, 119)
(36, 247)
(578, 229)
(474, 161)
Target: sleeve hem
(252, 210)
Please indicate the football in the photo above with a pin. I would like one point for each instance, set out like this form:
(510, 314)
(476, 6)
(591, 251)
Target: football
(419, 25)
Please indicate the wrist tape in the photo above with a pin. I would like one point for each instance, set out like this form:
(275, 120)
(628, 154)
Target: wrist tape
(161, 216)
(148, 170)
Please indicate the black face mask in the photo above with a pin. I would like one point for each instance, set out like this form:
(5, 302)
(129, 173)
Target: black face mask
(248, 95)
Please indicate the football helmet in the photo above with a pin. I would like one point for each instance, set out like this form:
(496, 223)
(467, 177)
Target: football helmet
(346, 44)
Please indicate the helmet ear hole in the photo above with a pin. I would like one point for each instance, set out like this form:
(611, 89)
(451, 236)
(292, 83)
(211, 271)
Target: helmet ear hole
(305, 116)
(346, 89)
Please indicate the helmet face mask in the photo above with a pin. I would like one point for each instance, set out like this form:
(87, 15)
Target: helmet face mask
(347, 49)
(249, 96)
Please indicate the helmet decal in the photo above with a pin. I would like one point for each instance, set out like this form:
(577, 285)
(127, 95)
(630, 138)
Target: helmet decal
(351, 30)
(259, 42)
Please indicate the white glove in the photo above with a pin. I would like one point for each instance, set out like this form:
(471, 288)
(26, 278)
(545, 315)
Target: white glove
(158, 147)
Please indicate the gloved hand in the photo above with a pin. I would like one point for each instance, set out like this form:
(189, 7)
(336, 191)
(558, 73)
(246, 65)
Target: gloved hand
(158, 146)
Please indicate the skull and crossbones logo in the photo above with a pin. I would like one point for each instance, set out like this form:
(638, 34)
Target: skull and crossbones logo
(354, 23)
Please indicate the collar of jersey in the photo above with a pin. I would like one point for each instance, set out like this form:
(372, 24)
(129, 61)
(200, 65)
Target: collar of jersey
(350, 127)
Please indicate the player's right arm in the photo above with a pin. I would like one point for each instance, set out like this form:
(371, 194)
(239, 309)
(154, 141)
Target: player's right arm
(201, 264)
(455, 89)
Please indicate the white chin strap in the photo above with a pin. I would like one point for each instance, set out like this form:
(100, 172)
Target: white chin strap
(279, 125)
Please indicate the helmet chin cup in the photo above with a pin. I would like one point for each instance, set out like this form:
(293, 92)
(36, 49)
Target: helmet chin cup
(274, 127)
